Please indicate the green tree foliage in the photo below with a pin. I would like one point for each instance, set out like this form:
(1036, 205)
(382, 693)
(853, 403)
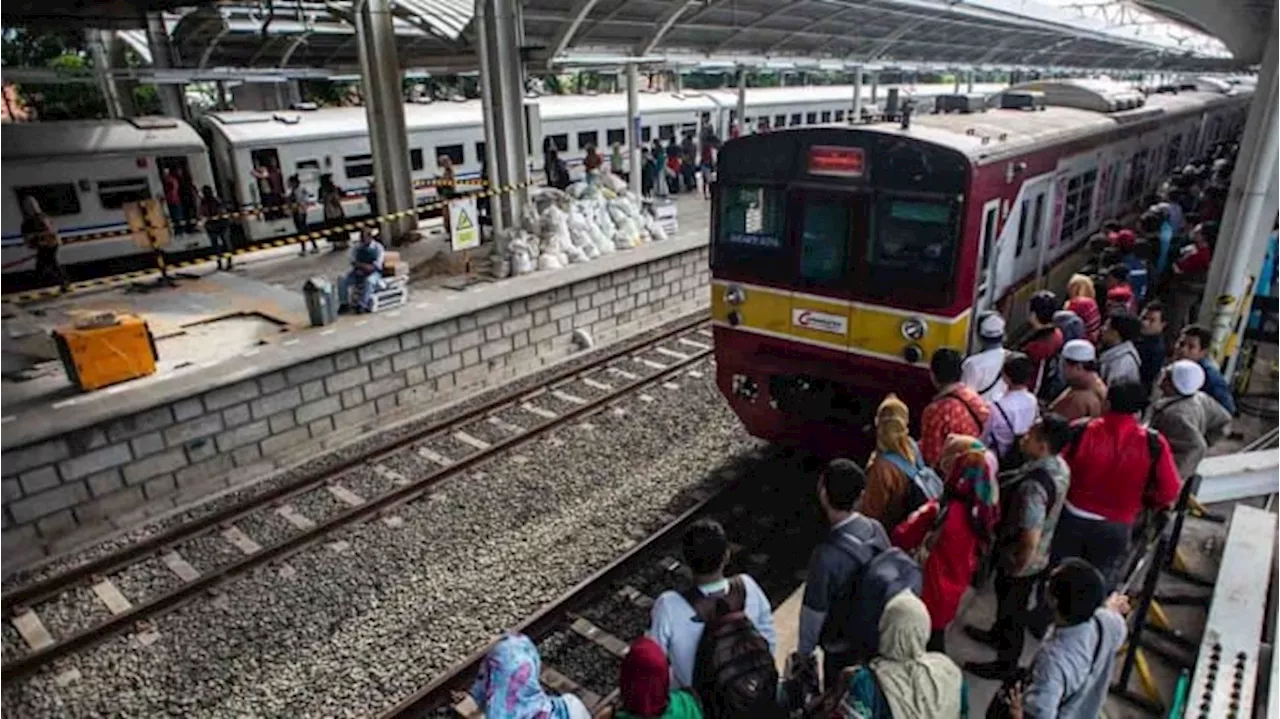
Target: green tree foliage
(62, 51)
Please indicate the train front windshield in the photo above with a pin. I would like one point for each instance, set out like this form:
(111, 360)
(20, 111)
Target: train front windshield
(868, 244)
(843, 211)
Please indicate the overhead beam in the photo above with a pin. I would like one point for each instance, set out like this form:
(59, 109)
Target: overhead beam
(560, 42)
(781, 10)
(807, 29)
(664, 23)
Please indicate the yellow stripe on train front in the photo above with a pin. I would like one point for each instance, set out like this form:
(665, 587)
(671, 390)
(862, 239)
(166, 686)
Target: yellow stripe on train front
(833, 323)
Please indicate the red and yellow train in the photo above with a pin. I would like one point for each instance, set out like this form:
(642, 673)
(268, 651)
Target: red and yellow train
(842, 257)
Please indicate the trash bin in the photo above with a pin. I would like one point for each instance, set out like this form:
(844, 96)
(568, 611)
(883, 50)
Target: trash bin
(322, 301)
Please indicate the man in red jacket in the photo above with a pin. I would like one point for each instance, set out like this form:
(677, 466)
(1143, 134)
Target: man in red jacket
(1046, 339)
(1114, 476)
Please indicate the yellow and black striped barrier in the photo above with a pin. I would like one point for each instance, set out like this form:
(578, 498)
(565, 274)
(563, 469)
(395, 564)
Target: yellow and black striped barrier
(303, 237)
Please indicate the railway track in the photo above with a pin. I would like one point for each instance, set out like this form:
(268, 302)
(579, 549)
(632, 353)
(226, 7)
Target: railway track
(583, 634)
(196, 558)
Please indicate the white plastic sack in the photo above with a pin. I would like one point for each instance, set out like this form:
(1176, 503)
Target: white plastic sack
(655, 229)
(613, 182)
(549, 261)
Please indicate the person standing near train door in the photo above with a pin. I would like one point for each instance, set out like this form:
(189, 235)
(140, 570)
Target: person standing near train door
(983, 372)
(299, 200)
(39, 233)
(212, 212)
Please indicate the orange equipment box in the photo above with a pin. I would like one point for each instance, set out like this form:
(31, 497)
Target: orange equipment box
(110, 349)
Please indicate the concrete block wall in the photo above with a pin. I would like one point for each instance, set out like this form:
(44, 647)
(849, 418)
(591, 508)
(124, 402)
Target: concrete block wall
(64, 491)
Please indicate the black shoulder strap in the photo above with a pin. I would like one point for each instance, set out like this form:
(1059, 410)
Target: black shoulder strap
(1007, 423)
(1045, 480)
(967, 408)
(704, 607)
(1153, 451)
(1097, 651)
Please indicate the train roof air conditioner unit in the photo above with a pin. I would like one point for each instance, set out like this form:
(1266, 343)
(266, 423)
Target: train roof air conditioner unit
(1022, 100)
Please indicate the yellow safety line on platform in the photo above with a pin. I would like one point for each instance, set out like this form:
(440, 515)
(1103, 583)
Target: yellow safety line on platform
(128, 277)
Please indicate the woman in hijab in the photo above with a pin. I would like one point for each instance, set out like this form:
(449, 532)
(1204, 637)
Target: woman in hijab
(904, 681)
(951, 537)
(1082, 300)
(509, 688)
(645, 686)
(886, 498)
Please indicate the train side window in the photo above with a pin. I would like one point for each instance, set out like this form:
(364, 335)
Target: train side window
(113, 194)
(666, 132)
(811, 118)
(646, 133)
(826, 116)
(453, 152)
(357, 166)
(1037, 221)
(1172, 153)
(824, 238)
(616, 137)
(307, 166)
(415, 159)
(779, 120)
(1022, 228)
(560, 142)
(839, 115)
(1084, 212)
(795, 119)
(588, 138)
(480, 156)
(56, 199)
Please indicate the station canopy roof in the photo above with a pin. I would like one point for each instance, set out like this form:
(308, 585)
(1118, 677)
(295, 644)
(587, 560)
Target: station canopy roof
(438, 35)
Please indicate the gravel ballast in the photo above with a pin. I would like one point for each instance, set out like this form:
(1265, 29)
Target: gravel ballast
(360, 621)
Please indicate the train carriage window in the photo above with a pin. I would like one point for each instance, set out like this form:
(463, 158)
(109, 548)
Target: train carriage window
(824, 237)
(1023, 216)
(588, 138)
(795, 119)
(415, 159)
(56, 199)
(616, 137)
(1172, 154)
(357, 166)
(1084, 213)
(826, 116)
(645, 134)
(1037, 221)
(480, 156)
(307, 166)
(666, 132)
(749, 230)
(913, 237)
(1138, 176)
(561, 142)
(839, 115)
(453, 152)
(113, 194)
(811, 118)
(779, 120)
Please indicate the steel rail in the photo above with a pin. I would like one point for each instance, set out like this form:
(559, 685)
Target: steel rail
(156, 606)
(22, 597)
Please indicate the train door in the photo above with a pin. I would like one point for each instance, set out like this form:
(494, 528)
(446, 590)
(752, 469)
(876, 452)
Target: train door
(269, 179)
(985, 284)
(823, 224)
(180, 194)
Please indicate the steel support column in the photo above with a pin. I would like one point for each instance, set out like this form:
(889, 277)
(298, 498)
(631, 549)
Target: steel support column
(857, 94)
(875, 87)
(1249, 215)
(636, 164)
(740, 122)
(498, 27)
(97, 41)
(969, 81)
(956, 77)
(172, 97)
(381, 80)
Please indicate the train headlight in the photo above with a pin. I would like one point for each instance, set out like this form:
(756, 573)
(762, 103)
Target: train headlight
(914, 329)
(734, 295)
(912, 353)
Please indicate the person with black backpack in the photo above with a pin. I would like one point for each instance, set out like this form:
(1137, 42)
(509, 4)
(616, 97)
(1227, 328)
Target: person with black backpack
(1013, 414)
(718, 633)
(852, 574)
(898, 480)
(1031, 502)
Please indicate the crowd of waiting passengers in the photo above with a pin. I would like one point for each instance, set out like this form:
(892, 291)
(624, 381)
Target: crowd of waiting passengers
(1037, 468)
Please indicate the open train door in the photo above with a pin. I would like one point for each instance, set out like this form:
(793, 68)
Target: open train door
(985, 280)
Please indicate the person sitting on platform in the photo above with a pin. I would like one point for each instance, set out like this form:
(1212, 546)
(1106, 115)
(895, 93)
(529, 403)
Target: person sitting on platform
(905, 680)
(1193, 344)
(509, 685)
(359, 284)
(1187, 417)
(644, 686)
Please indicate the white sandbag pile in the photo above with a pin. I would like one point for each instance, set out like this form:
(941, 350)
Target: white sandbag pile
(559, 228)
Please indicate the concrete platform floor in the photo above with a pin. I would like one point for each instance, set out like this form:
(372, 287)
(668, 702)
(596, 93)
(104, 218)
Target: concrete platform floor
(211, 317)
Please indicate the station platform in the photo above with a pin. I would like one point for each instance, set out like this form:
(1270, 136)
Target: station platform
(244, 385)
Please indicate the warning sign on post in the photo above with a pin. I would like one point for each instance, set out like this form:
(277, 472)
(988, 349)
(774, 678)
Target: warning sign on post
(464, 230)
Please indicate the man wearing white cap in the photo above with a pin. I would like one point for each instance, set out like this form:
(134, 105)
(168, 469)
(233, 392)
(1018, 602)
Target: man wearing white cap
(1190, 419)
(983, 371)
(1086, 393)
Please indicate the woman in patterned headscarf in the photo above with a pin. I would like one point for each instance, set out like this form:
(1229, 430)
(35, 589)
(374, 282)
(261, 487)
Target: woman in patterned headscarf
(886, 496)
(509, 688)
(951, 537)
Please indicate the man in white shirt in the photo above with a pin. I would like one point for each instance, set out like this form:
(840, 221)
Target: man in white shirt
(982, 371)
(1014, 413)
(673, 623)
